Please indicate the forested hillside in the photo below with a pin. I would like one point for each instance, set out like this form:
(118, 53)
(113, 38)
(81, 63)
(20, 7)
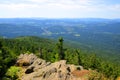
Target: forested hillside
(100, 36)
(53, 51)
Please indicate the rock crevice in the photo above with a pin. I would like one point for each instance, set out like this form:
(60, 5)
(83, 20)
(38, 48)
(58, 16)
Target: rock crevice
(39, 69)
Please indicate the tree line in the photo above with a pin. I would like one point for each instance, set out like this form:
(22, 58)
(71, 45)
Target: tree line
(52, 51)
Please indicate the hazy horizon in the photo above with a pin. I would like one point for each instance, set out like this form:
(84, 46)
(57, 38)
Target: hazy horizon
(54, 18)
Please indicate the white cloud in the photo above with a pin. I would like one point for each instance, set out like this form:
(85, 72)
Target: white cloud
(16, 6)
(63, 4)
(115, 7)
(75, 8)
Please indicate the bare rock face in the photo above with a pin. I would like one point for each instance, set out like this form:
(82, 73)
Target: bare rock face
(39, 69)
(26, 59)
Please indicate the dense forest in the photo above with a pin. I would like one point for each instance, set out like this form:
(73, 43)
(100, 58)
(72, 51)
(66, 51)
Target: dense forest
(93, 35)
(52, 50)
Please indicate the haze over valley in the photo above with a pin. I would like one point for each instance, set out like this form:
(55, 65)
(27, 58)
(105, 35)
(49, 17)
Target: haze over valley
(87, 33)
(59, 39)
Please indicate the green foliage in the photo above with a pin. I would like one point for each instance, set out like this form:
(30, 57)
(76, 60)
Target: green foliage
(7, 59)
(57, 58)
(12, 72)
(24, 44)
(60, 48)
(71, 56)
(46, 49)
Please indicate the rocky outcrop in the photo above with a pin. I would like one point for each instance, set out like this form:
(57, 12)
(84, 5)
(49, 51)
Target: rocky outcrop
(39, 69)
(26, 59)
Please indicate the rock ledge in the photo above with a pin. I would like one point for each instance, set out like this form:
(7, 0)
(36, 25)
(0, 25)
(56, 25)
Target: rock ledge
(39, 69)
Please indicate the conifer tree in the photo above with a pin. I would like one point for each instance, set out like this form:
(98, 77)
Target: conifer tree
(60, 48)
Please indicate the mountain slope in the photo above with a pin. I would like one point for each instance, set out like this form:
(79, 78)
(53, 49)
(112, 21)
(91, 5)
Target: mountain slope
(51, 51)
(100, 36)
(38, 69)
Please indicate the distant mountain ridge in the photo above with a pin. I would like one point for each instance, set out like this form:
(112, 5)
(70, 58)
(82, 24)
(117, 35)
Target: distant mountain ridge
(93, 33)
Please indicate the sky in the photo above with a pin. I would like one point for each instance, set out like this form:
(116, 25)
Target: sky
(60, 8)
